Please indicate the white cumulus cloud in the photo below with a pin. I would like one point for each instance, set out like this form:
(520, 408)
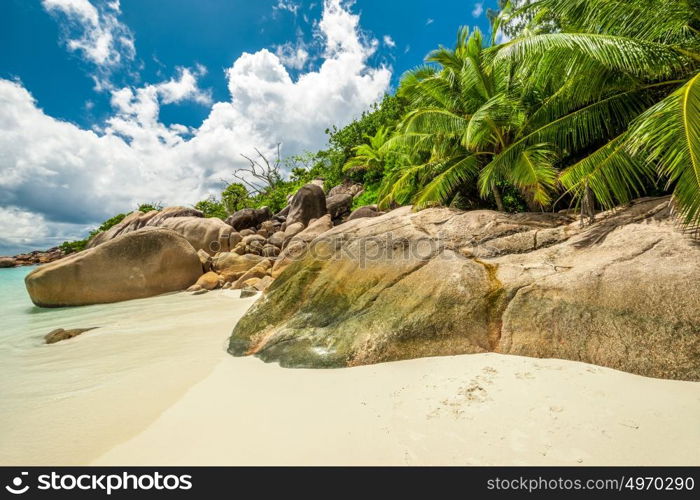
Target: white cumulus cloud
(478, 9)
(389, 42)
(58, 175)
(96, 33)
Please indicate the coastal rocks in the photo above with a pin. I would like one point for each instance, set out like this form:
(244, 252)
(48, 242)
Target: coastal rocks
(299, 243)
(620, 293)
(7, 262)
(205, 259)
(277, 238)
(338, 206)
(260, 270)
(207, 281)
(308, 203)
(292, 230)
(232, 266)
(60, 334)
(249, 218)
(366, 211)
(135, 265)
(209, 234)
(270, 251)
(137, 220)
(264, 283)
(248, 291)
(348, 187)
(33, 258)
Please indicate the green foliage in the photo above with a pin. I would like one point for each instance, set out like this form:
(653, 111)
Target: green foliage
(149, 207)
(369, 196)
(595, 98)
(234, 197)
(109, 223)
(468, 116)
(73, 246)
(211, 208)
(589, 102)
(636, 75)
(369, 157)
(77, 246)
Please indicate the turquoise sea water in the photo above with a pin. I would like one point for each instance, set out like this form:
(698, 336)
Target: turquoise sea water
(22, 324)
(77, 398)
(16, 309)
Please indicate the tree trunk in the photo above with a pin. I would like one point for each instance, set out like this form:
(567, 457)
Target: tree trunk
(587, 206)
(499, 199)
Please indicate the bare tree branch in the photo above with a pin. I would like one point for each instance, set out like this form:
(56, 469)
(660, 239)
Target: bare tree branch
(260, 175)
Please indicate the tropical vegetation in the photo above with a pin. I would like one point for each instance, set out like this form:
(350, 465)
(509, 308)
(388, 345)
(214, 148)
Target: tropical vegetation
(585, 103)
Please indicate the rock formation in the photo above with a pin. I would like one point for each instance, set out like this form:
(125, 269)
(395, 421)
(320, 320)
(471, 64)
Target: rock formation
(621, 293)
(138, 264)
(209, 234)
(366, 211)
(248, 218)
(59, 334)
(308, 203)
(339, 206)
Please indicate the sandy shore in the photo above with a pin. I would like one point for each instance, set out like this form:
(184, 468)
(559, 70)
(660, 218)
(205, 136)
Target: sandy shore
(159, 389)
(483, 409)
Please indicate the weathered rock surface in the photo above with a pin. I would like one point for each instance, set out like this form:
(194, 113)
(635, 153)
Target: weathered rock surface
(260, 270)
(33, 258)
(60, 334)
(209, 234)
(137, 220)
(270, 251)
(366, 211)
(622, 293)
(308, 203)
(7, 262)
(348, 187)
(232, 266)
(277, 239)
(249, 218)
(248, 291)
(207, 281)
(299, 243)
(292, 230)
(135, 265)
(338, 206)
(205, 259)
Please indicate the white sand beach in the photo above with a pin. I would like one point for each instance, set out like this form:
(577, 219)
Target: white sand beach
(155, 386)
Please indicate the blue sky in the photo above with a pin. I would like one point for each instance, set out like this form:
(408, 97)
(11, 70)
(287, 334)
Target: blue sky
(107, 103)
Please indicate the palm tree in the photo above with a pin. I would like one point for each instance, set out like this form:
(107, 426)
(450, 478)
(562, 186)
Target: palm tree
(637, 59)
(370, 156)
(467, 114)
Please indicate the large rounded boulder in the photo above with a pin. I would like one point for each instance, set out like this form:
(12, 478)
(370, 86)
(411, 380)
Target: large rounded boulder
(248, 218)
(339, 206)
(211, 235)
(307, 204)
(620, 293)
(137, 220)
(138, 264)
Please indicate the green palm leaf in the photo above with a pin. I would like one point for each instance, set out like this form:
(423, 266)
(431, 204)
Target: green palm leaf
(648, 60)
(669, 135)
(443, 187)
(611, 173)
